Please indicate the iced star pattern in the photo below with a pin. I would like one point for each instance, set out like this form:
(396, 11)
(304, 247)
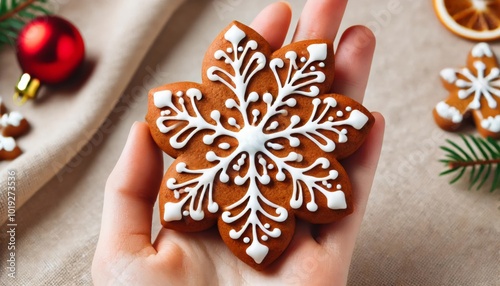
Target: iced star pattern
(478, 86)
(257, 136)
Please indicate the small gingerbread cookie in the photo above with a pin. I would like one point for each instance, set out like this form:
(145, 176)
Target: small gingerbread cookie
(474, 89)
(12, 125)
(257, 143)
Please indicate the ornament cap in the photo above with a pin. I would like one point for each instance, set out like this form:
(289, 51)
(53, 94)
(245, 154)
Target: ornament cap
(26, 88)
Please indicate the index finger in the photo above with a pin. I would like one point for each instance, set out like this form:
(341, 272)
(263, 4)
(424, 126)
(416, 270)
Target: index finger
(320, 19)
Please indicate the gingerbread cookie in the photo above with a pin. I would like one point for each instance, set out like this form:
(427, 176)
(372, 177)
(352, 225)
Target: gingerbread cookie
(474, 89)
(257, 144)
(12, 125)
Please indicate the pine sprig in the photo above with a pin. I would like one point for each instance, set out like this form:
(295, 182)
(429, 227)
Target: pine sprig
(481, 156)
(14, 14)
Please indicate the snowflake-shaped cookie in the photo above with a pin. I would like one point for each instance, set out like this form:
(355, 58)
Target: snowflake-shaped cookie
(473, 89)
(257, 143)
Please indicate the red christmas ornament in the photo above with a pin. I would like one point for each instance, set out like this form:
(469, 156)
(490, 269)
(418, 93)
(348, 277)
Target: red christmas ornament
(49, 50)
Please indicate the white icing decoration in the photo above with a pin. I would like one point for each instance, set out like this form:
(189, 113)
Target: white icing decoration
(7, 143)
(14, 119)
(257, 251)
(482, 50)
(477, 82)
(491, 123)
(162, 98)
(449, 75)
(336, 200)
(258, 137)
(224, 146)
(448, 112)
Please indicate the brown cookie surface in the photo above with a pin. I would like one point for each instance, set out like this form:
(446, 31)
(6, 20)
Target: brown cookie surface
(257, 143)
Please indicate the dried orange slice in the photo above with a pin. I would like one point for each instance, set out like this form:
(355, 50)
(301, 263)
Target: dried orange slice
(477, 20)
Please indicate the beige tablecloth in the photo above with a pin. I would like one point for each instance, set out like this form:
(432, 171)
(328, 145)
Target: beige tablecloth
(418, 230)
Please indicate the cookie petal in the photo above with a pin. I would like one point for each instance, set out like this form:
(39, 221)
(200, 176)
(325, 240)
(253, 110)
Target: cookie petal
(303, 68)
(255, 227)
(321, 193)
(482, 52)
(177, 120)
(236, 65)
(186, 195)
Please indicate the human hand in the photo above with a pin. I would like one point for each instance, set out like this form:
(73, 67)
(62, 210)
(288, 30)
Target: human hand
(317, 254)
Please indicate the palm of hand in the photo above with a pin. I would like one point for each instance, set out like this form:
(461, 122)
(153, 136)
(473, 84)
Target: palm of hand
(203, 259)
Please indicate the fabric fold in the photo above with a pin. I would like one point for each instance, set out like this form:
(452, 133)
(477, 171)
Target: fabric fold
(64, 124)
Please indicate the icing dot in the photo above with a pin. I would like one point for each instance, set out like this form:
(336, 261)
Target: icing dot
(312, 206)
(321, 65)
(267, 97)
(224, 146)
(291, 102)
(185, 213)
(329, 186)
(330, 118)
(348, 108)
(229, 50)
(303, 59)
(340, 113)
(176, 194)
(325, 183)
(253, 96)
(270, 166)
(215, 115)
(179, 93)
(273, 125)
(165, 112)
(255, 112)
(264, 237)
(236, 167)
(224, 178)
(240, 49)
(230, 103)
(344, 131)
(267, 225)
(232, 122)
(339, 186)
(280, 176)
(313, 68)
(241, 161)
(210, 156)
(246, 240)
